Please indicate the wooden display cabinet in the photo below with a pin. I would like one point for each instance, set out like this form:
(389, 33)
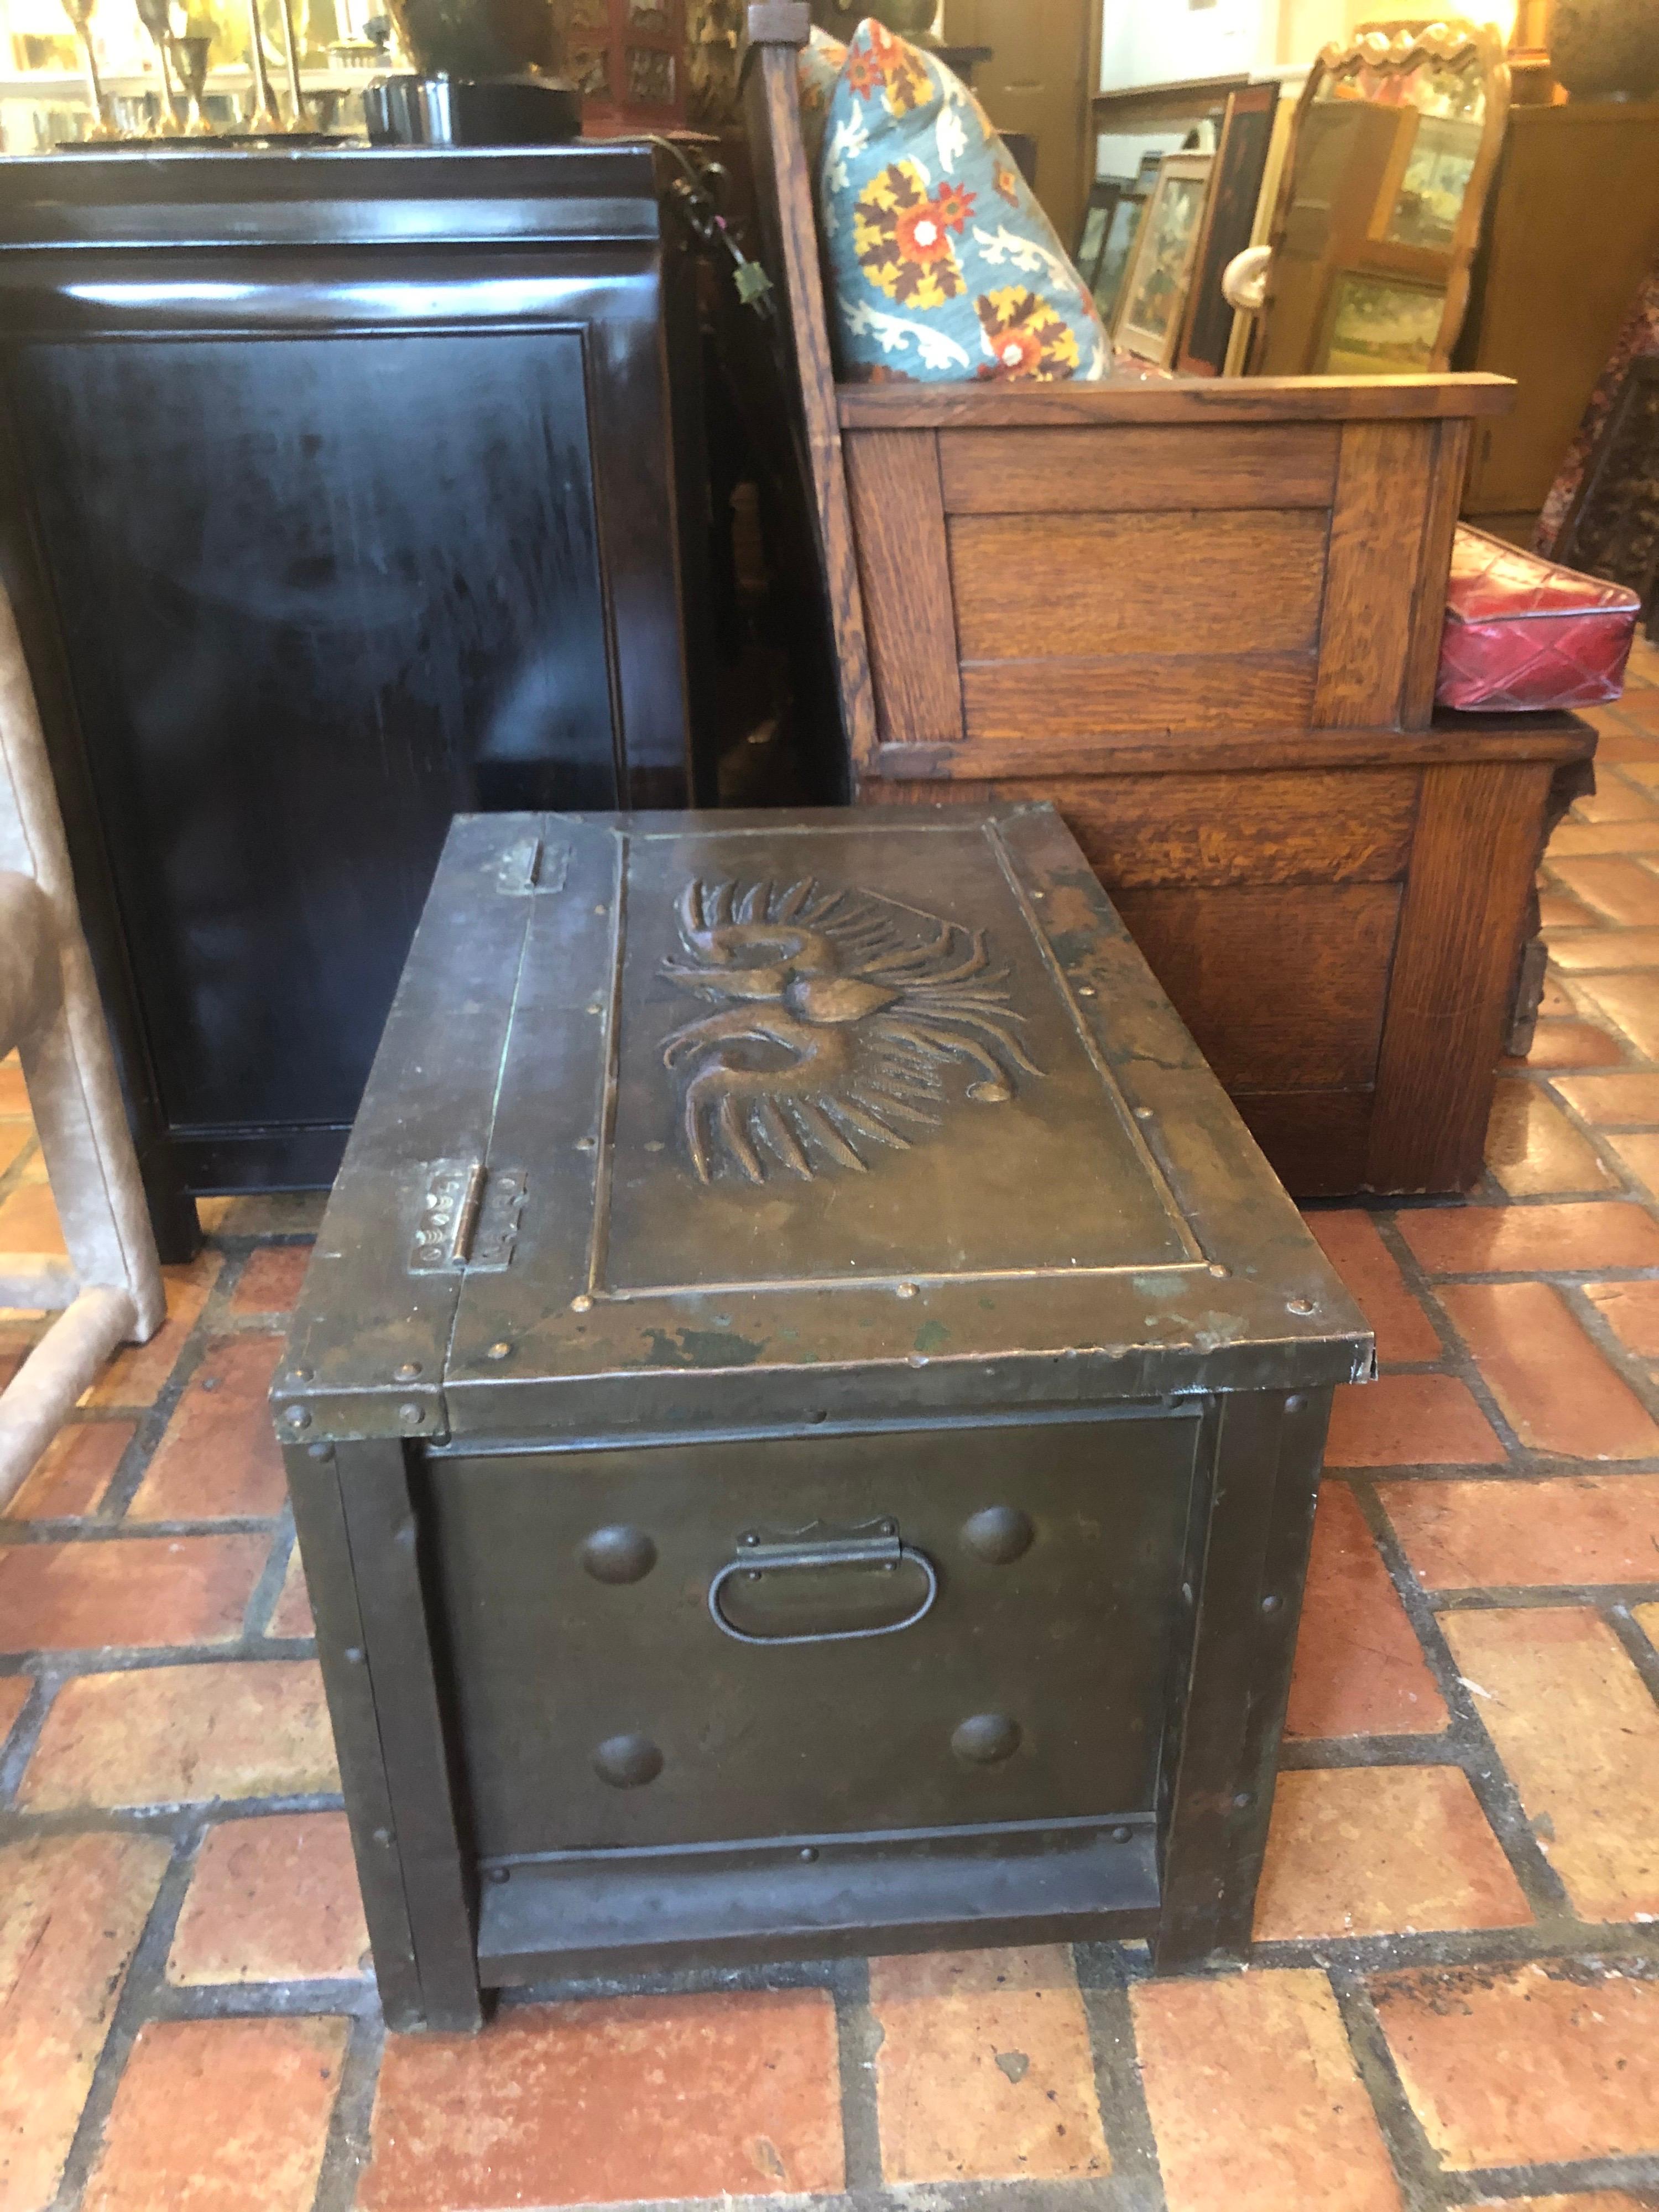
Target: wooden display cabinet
(1572, 227)
(627, 57)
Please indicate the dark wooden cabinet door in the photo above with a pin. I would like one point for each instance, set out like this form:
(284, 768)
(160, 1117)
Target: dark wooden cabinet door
(341, 494)
(317, 599)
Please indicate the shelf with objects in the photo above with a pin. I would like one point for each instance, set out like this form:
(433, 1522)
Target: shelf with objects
(102, 72)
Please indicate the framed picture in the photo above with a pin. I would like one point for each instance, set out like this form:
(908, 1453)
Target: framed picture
(1154, 294)
(1120, 235)
(1379, 325)
(1423, 205)
(1104, 194)
(1241, 163)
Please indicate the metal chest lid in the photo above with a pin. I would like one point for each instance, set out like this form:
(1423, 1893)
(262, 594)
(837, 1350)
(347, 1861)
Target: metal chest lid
(725, 1120)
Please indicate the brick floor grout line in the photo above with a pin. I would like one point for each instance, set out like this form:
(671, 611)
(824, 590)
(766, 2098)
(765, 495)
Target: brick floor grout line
(1572, 1285)
(1630, 1365)
(1639, 1647)
(1564, 1279)
(19, 1822)
(1093, 2193)
(145, 1969)
(20, 1747)
(1529, 1468)
(1523, 1597)
(858, 2037)
(233, 1268)
(75, 1660)
(149, 1426)
(85, 1529)
(16, 1175)
(1440, 1948)
(1313, 1754)
(680, 1981)
(341, 1997)
(1417, 2169)
(82, 1417)
(157, 1416)
(1472, 2185)
(1499, 1800)
(347, 2145)
(1428, 2183)
(267, 1591)
(1645, 1392)
(1125, 2118)
(1456, 1359)
(1639, 1198)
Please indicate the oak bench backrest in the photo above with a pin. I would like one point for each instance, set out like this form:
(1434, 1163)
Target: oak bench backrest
(1025, 578)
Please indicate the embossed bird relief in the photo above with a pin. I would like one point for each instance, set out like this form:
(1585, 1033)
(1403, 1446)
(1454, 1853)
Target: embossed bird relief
(836, 1030)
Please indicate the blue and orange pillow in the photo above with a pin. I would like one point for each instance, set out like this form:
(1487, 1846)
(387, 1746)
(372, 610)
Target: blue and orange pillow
(942, 267)
(820, 64)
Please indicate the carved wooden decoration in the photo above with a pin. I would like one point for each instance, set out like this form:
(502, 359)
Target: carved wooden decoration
(836, 1026)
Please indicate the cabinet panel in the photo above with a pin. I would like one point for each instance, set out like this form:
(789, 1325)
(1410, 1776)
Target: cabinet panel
(315, 603)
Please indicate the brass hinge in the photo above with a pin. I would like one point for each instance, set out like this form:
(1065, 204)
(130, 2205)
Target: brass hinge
(468, 1218)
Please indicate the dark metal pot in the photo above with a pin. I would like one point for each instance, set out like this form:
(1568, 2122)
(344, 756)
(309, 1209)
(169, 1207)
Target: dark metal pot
(911, 19)
(1606, 49)
(481, 38)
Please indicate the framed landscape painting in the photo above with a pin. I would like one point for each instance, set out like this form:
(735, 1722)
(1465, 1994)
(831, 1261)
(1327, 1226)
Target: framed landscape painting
(1154, 295)
(1379, 325)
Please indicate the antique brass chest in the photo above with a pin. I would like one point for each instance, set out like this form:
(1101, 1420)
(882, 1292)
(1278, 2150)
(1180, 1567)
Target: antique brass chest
(805, 1415)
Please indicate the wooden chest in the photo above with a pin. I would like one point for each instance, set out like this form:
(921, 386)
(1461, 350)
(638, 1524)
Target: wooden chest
(805, 1415)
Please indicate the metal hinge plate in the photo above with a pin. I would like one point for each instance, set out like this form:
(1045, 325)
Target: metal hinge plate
(532, 866)
(468, 1219)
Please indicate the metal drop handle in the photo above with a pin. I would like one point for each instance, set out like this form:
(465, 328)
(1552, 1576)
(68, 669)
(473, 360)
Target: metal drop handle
(883, 1553)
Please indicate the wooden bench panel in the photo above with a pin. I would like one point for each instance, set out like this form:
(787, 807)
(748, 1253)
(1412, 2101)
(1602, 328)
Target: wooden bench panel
(1478, 846)
(1317, 1140)
(1282, 989)
(1124, 472)
(1030, 586)
(1151, 693)
(1385, 484)
(1209, 400)
(1142, 832)
(904, 570)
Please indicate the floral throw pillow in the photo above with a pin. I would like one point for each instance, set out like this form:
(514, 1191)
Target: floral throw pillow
(942, 267)
(819, 67)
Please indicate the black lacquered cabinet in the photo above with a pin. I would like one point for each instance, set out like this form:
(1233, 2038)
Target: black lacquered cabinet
(343, 490)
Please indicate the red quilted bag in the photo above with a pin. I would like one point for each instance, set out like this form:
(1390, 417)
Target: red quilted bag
(1522, 634)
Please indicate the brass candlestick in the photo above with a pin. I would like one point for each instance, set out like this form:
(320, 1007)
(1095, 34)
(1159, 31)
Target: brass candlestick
(298, 119)
(190, 59)
(79, 14)
(267, 115)
(155, 17)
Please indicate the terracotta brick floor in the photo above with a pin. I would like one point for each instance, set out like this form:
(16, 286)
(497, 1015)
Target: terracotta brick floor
(1455, 1995)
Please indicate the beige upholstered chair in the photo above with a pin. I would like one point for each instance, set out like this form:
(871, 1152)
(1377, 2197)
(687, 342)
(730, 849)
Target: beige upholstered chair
(109, 1288)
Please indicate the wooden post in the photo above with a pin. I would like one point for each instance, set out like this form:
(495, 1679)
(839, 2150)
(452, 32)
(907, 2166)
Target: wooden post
(783, 191)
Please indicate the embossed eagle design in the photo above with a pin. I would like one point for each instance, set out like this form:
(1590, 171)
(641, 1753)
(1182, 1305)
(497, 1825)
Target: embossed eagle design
(835, 1030)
